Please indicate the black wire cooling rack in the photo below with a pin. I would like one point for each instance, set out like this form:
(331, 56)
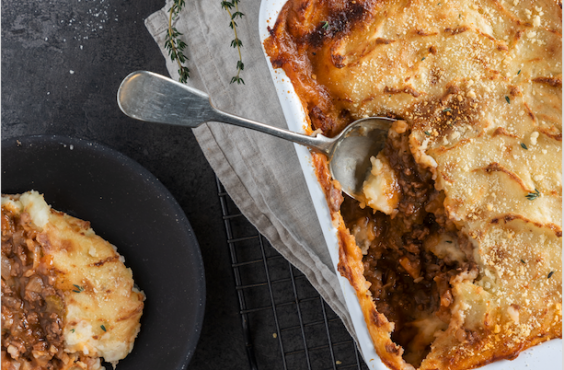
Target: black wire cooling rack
(286, 323)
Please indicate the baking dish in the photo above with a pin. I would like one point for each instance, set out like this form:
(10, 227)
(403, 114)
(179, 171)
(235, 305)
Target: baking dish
(547, 354)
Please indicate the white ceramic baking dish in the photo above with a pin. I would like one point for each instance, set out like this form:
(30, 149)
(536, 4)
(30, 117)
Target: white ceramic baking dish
(545, 356)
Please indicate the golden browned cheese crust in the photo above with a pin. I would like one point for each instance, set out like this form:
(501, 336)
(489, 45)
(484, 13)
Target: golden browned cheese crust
(67, 285)
(479, 85)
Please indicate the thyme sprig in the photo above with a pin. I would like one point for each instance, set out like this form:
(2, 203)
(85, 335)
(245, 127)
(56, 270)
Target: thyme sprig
(232, 8)
(174, 45)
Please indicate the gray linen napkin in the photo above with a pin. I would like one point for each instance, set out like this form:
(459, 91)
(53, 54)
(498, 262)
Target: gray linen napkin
(261, 173)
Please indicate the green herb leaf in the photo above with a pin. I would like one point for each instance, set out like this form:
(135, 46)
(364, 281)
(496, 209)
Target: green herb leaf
(236, 43)
(103, 327)
(427, 133)
(184, 74)
(524, 146)
(78, 289)
(226, 5)
(238, 80)
(449, 241)
(447, 110)
(518, 73)
(533, 196)
(325, 25)
(422, 59)
(72, 330)
(507, 100)
(550, 274)
(237, 14)
(522, 261)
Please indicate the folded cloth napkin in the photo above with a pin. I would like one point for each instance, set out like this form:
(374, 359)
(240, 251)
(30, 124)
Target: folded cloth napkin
(261, 173)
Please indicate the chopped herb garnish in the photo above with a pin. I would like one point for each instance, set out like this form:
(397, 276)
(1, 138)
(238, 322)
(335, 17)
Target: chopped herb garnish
(427, 133)
(523, 261)
(524, 146)
(507, 100)
(422, 59)
(78, 289)
(550, 274)
(439, 4)
(518, 73)
(447, 110)
(533, 196)
(103, 327)
(459, 15)
(449, 241)
(72, 330)
(325, 25)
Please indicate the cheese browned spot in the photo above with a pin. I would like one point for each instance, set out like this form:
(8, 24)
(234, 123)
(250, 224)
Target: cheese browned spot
(478, 85)
(67, 298)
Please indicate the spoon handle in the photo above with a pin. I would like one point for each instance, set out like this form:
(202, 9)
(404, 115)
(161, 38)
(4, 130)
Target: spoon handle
(150, 97)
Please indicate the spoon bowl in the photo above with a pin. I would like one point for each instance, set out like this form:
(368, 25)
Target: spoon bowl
(349, 161)
(150, 97)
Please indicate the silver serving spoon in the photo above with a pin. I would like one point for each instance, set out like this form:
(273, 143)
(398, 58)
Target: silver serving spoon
(150, 97)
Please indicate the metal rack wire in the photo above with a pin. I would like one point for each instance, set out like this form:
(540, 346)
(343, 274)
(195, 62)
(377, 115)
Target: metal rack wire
(286, 324)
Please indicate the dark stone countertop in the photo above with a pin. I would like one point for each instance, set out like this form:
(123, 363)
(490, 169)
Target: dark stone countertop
(62, 63)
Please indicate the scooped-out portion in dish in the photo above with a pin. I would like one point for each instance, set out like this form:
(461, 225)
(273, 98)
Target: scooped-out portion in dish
(411, 253)
(67, 298)
(455, 249)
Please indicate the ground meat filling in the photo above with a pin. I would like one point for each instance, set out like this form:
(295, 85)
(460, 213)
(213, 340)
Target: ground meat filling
(31, 307)
(409, 283)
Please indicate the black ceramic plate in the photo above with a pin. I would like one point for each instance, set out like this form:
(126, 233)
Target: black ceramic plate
(130, 208)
